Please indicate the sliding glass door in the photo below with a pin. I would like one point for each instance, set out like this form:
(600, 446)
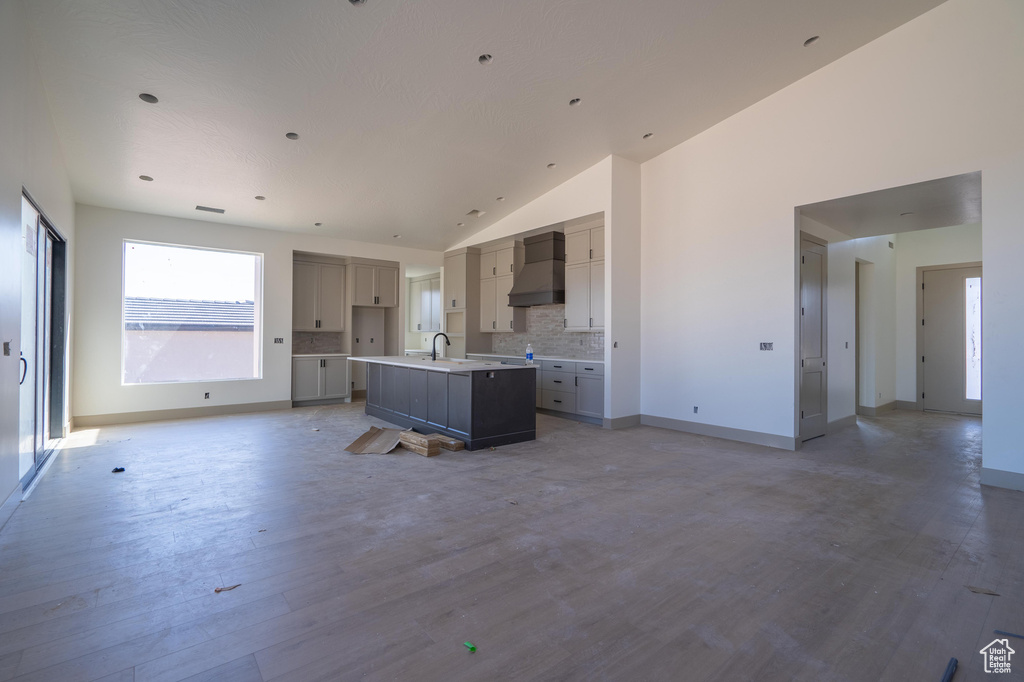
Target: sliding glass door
(40, 302)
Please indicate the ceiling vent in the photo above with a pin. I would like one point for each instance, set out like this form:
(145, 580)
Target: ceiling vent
(208, 209)
(475, 213)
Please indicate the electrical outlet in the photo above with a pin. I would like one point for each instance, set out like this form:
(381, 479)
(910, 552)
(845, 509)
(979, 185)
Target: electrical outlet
(695, 409)
(278, 339)
(767, 345)
(206, 397)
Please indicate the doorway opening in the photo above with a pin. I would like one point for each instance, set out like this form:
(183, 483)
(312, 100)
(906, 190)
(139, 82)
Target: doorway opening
(43, 340)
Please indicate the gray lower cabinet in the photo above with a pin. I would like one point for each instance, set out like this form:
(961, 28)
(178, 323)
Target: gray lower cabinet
(319, 378)
(568, 386)
(590, 396)
(482, 408)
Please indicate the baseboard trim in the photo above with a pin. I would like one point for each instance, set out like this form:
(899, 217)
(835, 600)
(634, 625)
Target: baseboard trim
(89, 420)
(908, 405)
(9, 505)
(997, 478)
(622, 422)
(865, 411)
(322, 401)
(756, 437)
(840, 424)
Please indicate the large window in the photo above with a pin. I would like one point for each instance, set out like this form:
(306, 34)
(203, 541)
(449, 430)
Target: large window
(190, 314)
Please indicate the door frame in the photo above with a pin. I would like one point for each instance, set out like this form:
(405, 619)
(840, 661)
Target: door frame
(798, 346)
(918, 403)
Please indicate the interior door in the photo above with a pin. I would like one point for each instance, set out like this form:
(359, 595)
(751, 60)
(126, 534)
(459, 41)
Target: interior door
(951, 335)
(29, 445)
(813, 377)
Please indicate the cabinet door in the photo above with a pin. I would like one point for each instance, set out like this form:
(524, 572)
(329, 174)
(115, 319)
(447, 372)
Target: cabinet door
(488, 311)
(590, 395)
(363, 284)
(597, 243)
(488, 265)
(503, 285)
(435, 304)
(577, 247)
(387, 287)
(415, 304)
(597, 294)
(332, 298)
(577, 296)
(504, 261)
(304, 297)
(335, 371)
(305, 378)
(455, 281)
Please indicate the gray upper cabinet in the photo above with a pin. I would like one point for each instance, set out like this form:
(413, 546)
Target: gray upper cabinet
(374, 285)
(425, 305)
(584, 279)
(497, 274)
(455, 281)
(318, 297)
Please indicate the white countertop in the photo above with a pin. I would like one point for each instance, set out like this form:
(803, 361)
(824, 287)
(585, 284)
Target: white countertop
(441, 364)
(538, 358)
(320, 355)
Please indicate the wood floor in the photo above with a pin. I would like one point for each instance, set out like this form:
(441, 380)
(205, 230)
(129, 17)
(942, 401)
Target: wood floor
(588, 554)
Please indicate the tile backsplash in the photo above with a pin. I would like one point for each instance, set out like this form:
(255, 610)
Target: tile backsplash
(544, 331)
(317, 342)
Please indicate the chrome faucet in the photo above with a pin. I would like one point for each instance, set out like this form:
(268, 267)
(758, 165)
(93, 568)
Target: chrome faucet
(433, 345)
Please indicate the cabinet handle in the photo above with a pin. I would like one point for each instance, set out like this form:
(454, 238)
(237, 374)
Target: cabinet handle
(563, 323)
(558, 401)
(510, 325)
(588, 369)
(557, 381)
(591, 322)
(576, 381)
(419, 326)
(453, 302)
(591, 254)
(494, 325)
(557, 366)
(494, 270)
(510, 268)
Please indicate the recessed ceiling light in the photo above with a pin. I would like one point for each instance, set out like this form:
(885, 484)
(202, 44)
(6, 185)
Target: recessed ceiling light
(485, 59)
(209, 209)
(551, 165)
(292, 136)
(148, 98)
(259, 198)
(460, 224)
(396, 236)
(146, 178)
(647, 135)
(319, 224)
(500, 199)
(810, 41)
(907, 213)
(574, 101)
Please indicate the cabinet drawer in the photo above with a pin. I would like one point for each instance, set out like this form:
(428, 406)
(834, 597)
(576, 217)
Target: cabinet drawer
(588, 368)
(557, 366)
(558, 381)
(559, 401)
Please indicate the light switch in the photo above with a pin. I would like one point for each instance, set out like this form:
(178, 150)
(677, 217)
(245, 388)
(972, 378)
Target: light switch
(7, 347)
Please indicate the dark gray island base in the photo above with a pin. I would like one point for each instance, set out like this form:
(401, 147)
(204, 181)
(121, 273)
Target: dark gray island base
(484, 404)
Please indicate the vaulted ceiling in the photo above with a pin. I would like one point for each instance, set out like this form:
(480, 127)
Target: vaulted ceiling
(403, 128)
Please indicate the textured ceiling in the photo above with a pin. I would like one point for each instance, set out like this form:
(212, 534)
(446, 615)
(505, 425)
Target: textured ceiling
(945, 202)
(402, 130)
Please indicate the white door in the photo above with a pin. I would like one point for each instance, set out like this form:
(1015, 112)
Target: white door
(813, 377)
(951, 335)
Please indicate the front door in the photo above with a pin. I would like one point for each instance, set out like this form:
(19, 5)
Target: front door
(951, 335)
(813, 378)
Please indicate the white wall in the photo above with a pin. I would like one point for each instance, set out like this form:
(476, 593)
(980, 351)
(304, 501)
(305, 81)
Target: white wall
(30, 157)
(936, 97)
(611, 186)
(101, 231)
(943, 246)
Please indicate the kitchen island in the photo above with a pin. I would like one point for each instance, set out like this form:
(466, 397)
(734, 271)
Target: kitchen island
(484, 403)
